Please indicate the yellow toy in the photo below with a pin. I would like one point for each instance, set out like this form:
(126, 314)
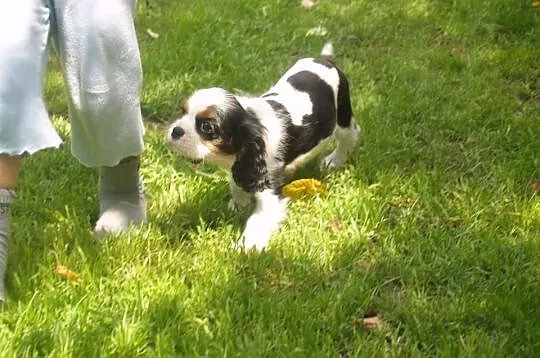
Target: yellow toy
(66, 273)
(302, 188)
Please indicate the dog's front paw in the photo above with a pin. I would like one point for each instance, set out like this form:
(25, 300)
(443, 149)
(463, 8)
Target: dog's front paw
(266, 220)
(255, 239)
(257, 233)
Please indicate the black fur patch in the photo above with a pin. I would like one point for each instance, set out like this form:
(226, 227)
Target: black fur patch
(230, 123)
(249, 170)
(344, 108)
(316, 126)
(291, 131)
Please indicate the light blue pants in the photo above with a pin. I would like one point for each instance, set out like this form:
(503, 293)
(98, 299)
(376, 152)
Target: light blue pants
(97, 45)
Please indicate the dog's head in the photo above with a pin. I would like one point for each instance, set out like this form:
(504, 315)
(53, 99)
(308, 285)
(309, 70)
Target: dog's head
(215, 127)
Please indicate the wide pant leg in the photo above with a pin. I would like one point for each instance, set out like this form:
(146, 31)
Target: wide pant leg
(24, 123)
(97, 45)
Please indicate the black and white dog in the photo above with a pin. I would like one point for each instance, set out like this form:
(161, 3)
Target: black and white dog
(260, 139)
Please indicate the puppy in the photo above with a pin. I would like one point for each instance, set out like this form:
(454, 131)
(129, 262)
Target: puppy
(260, 139)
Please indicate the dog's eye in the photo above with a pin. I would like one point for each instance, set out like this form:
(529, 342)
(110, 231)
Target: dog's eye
(207, 128)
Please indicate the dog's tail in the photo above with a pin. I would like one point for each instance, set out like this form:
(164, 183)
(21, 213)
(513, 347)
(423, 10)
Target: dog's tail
(327, 51)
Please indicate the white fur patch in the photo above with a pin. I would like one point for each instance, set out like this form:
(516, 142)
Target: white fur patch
(328, 49)
(201, 99)
(297, 103)
(269, 213)
(189, 145)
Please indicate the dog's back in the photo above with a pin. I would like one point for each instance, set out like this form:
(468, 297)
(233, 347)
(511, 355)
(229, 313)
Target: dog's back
(311, 97)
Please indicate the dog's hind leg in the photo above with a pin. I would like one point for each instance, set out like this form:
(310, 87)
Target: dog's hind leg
(346, 140)
(347, 132)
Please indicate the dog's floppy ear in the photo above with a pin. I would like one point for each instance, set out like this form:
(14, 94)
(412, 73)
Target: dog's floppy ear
(249, 169)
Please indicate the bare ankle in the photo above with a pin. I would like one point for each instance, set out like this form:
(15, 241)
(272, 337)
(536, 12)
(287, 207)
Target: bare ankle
(9, 170)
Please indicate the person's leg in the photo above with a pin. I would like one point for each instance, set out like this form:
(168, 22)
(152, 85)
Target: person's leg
(97, 43)
(9, 171)
(24, 123)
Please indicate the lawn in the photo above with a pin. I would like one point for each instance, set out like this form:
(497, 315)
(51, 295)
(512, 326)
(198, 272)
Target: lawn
(432, 231)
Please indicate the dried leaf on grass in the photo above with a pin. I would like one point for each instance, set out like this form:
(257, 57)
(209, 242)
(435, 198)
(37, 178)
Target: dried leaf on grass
(536, 4)
(363, 265)
(66, 273)
(371, 322)
(535, 187)
(458, 51)
(308, 4)
(333, 276)
(152, 34)
(403, 202)
(335, 225)
(470, 140)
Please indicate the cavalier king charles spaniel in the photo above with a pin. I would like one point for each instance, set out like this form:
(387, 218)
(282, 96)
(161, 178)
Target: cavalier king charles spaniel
(262, 139)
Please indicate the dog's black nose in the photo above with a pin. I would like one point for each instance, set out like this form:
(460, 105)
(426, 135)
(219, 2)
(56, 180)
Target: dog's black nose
(177, 133)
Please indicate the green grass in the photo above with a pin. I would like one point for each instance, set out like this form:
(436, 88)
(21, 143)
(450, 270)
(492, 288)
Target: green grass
(432, 225)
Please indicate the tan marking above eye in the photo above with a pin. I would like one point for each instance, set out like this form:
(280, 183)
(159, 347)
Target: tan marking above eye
(185, 106)
(208, 113)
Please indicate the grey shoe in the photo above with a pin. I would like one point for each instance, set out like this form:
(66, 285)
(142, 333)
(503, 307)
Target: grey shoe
(122, 201)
